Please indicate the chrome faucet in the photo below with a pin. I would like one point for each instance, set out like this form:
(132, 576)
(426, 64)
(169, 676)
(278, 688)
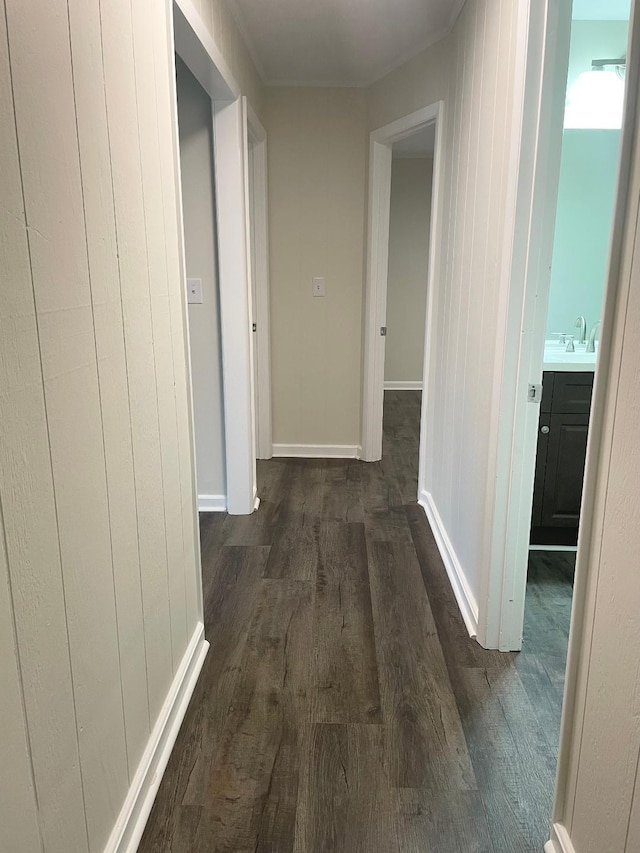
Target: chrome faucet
(591, 345)
(581, 324)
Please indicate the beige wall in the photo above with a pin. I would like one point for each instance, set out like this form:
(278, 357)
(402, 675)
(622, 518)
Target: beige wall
(409, 222)
(317, 174)
(99, 590)
(198, 206)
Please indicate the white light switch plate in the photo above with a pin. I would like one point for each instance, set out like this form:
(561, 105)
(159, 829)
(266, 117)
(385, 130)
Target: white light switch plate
(317, 287)
(194, 291)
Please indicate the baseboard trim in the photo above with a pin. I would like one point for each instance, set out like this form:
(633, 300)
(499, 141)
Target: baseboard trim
(465, 598)
(212, 503)
(403, 385)
(134, 814)
(570, 549)
(317, 451)
(560, 841)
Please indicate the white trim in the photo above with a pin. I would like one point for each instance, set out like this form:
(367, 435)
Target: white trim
(133, 816)
(259, 212)
(380, 157)
(542, 49)
(559, 841)
(464, 596)
(230, 144)
(317, 451)
(403, 385)
(571, 549)
(212, 503)
(197, 49)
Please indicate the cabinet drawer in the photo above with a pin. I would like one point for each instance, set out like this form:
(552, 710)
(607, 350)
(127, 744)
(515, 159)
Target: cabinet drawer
(572, 393)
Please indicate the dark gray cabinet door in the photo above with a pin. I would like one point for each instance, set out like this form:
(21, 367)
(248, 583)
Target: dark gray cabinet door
(564, 471)
(544, 429)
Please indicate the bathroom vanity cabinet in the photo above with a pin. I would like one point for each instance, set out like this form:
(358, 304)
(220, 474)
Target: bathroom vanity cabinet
(560, 460)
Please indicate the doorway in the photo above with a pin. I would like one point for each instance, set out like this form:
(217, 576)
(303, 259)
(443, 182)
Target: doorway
(231, 118)
(566, 246)
(420, 132)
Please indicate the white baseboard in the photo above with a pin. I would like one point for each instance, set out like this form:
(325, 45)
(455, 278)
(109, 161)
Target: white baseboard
(318, 451)
(403, 385)
(568, 548)
(212, 503)
(133, 816)
(560, 841)
(465, 598)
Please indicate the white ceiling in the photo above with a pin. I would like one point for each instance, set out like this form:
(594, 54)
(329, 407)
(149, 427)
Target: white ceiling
(420, 144)
(338, 42)
(601, 10)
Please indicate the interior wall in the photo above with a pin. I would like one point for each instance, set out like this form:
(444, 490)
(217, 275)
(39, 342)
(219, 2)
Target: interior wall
(409, 223)
(473, 72)
(317, 173)
(588, 175)
(99, 573)
(198, 205)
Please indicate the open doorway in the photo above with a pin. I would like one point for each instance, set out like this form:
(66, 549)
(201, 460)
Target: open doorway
(228, 227)
(195, 125)
(406, 309)
(401, 263)
(567, 258)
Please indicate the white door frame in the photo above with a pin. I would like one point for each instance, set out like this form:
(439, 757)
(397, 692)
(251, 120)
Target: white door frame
(380, 156)
(257, 151)
(536, 152)
(197, 49)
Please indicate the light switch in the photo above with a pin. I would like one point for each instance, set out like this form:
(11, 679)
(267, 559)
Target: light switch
(194, 291)
(318, 287)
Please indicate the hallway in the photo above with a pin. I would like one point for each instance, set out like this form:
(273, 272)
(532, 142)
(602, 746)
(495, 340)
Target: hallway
(342, 705)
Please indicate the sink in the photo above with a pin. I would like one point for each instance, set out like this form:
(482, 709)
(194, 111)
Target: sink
(557, 358)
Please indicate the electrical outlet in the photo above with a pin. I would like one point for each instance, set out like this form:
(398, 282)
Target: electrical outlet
(317, 287)
(194, 291)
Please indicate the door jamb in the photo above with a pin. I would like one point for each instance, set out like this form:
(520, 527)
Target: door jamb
(537, 147)
(380, 156)
(257, 138)
(197, 49)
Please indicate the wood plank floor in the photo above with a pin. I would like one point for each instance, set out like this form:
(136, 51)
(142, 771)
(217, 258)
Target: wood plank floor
(342, 706)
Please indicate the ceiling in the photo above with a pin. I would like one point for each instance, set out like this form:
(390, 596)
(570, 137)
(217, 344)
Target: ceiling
(601, 10)
(338, 42)
(419, 144)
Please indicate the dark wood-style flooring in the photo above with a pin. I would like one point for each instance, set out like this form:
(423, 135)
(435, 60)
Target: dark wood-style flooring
(342, 706)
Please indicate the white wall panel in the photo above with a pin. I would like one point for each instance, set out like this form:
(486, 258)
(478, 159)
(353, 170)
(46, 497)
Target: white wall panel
(18, 809)
(122, 111)
(145, 73)
(46, 129)
(26, 488)
(99, 577)
(95, 163)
